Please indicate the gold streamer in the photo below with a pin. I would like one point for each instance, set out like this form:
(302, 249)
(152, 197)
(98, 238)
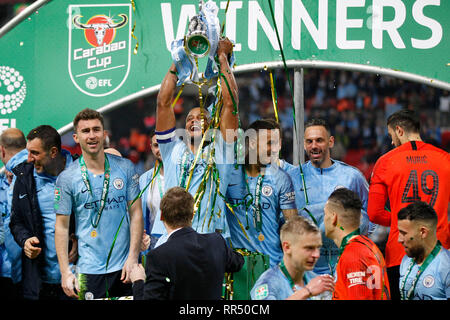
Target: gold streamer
(178, 96)
(274, 96)
(191, 169)
(211, 188)
(239, 221)
(215, 122)
(200, 192)
(133, 5)
(225, 19)
(153, 180)
(209, 171)
(197, 156)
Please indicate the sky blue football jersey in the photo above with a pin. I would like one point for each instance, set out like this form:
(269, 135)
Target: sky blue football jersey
(320, 183)
(71, 195)
(433, 283)
(277, 194)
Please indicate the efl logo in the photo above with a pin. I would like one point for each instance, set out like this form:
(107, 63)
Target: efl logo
(99, 47)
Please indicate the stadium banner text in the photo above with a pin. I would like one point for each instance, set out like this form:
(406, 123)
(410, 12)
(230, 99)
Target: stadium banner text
(72, 54)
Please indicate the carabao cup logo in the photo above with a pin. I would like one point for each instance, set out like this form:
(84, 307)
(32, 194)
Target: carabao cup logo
(99, 47)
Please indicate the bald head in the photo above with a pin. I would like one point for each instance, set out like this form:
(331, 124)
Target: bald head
(12, 140)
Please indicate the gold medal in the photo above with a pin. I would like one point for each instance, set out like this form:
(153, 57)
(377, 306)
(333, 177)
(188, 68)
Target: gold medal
(261, 237)
(93, 233)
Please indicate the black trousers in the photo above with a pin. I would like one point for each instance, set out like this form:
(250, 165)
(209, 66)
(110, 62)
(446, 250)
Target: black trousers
(10, 290)
(51, 291)
(394, 281)
(96, 286)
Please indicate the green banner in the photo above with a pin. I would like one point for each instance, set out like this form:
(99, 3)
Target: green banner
(68, 55)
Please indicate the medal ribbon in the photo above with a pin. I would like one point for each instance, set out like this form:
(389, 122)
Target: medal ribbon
(257, 215)
(422, 268)
(288, 276)
(85, 177)
(346, 239)
(341, 249)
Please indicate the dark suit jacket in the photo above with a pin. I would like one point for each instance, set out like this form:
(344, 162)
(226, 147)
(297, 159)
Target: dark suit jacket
(189, 266)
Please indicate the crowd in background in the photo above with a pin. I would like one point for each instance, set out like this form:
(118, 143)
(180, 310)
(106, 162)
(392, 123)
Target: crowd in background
(355, 104)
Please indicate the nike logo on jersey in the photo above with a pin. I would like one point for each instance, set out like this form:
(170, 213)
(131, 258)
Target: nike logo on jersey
(21, 196)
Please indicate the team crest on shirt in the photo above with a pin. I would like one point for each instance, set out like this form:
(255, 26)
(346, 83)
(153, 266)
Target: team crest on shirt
(262, 292)
(267, 191)
(57, 198)
(428, 281)
(57, 194)
(118, 183)
(89, 296)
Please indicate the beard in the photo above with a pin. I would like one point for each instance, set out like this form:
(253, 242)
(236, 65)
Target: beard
(317, 160)
(417, 253)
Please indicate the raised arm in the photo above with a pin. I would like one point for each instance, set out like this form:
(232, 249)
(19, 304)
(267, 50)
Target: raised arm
(230, 117)
(165, 117)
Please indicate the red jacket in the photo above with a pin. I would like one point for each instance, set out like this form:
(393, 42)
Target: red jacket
(411, 172)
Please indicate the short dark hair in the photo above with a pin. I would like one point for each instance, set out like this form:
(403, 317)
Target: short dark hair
(318, 122)
(275, 124)
(406, 119)
(87, 114)
(256, 127)
(418, 210)
(177, 207)
(268, 124)
(49, 137)
(350, 201)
